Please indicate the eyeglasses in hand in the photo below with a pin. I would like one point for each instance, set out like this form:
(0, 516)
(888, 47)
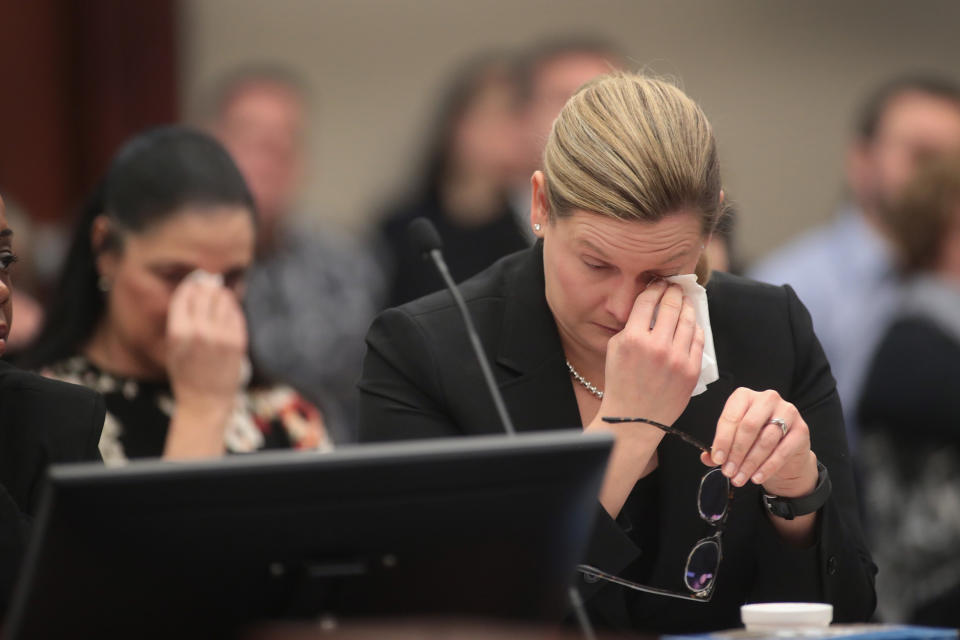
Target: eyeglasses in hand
(703, 561)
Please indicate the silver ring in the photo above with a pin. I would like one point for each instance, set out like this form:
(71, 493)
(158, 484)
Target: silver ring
(780, 422)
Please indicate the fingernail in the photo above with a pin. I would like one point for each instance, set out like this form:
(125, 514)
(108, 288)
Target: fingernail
(719, 457)
(740, 479)
(729, 469)
(757, 478)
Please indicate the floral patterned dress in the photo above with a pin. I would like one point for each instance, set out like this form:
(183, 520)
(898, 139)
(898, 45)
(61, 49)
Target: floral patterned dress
(138, 415)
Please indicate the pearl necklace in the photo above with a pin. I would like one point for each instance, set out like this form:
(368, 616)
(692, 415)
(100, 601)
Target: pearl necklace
(586, 383)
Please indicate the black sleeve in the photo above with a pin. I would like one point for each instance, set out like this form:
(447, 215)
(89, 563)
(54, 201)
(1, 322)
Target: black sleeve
(55, 422)
(403, 397)
(838, 569)
(400, 388)
(91, 445)
(14, 533)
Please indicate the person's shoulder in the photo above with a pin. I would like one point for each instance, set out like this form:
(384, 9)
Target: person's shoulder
(314, 237)
(68, 417)
(915, 333)
(726, 287)
(394, 221)
(17, 381)
(746, 307)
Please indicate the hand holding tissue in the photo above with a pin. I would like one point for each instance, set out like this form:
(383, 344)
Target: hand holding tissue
(698, 298)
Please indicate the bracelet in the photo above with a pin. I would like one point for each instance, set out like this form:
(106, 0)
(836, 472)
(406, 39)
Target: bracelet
(790, 508)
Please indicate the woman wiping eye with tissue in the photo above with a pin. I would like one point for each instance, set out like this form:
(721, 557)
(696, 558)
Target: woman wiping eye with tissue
(149, 309)
(612, 321)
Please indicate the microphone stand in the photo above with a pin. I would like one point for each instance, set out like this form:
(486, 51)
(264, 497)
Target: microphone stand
(427, 229)
(441, 265)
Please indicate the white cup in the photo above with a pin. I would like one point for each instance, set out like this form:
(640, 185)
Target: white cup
(782, 615)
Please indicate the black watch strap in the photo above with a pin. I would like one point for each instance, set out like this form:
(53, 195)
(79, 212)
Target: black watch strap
(790, 508)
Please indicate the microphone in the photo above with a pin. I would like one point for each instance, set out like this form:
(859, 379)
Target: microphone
(427, 242)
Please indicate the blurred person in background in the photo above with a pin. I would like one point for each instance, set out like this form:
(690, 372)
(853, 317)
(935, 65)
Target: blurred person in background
(844, 271)
(550, 72)
(148, 309)
(312, 290)
(473, 157)
(910, 411)
(42, 422)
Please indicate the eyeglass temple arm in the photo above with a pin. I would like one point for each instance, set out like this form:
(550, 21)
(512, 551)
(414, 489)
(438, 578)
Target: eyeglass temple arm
(593, 572)
(683, 435)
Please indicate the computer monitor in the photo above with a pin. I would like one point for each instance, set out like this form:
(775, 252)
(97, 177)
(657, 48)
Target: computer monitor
(487, 526)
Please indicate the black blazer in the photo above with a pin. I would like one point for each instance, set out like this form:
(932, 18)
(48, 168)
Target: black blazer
(42, 422)
(420, 379)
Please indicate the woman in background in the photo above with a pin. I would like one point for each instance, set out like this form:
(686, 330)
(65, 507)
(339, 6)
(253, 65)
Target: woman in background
(472, 161)
(910, 411)
(148, 309)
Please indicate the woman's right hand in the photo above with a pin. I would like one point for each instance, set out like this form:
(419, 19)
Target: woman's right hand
(652, 367)
(206, 349)
(653, 364)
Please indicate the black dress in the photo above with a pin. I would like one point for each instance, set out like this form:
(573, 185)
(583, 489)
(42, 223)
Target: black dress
(420, 380)
(42, 422)
(139, 412)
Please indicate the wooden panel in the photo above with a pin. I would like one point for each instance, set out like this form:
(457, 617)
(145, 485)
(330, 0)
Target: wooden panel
(78, 77)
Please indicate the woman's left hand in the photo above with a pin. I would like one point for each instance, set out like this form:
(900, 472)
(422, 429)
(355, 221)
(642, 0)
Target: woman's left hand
(750, 447)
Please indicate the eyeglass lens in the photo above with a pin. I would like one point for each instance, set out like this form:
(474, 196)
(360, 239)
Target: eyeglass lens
(702, 565)
(713, 496)
(712, 501)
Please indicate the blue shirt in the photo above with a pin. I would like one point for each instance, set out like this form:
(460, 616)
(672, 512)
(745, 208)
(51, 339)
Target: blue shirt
(844, 273)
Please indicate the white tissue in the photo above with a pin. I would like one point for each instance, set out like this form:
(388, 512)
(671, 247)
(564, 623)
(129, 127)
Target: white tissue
(216, 280)
(698, 297)
(205, 277)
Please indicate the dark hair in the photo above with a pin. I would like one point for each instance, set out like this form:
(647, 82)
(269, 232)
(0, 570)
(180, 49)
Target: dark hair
(468, 83)
(873, 110)
(153, 176)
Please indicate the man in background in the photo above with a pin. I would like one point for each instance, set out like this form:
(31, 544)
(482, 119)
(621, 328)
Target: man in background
(845, 271)
(312, 291)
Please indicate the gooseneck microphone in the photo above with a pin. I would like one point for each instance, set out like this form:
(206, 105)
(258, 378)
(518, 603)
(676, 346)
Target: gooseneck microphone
(427, 241)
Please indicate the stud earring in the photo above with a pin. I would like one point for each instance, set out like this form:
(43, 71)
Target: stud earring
(537, 227)
(103, 284)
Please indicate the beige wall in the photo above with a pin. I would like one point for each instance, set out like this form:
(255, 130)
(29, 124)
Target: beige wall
(778, 79)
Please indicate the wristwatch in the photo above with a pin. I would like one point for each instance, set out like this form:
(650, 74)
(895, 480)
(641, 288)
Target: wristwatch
(790, 508)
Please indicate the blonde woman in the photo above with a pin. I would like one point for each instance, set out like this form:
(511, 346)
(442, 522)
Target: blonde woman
(602, 319)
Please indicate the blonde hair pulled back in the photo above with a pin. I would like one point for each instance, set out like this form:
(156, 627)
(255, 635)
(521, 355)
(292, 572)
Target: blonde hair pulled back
(635, 148)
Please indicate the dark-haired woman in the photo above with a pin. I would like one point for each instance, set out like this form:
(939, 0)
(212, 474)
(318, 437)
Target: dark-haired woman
(471, 162)
(148, 310)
